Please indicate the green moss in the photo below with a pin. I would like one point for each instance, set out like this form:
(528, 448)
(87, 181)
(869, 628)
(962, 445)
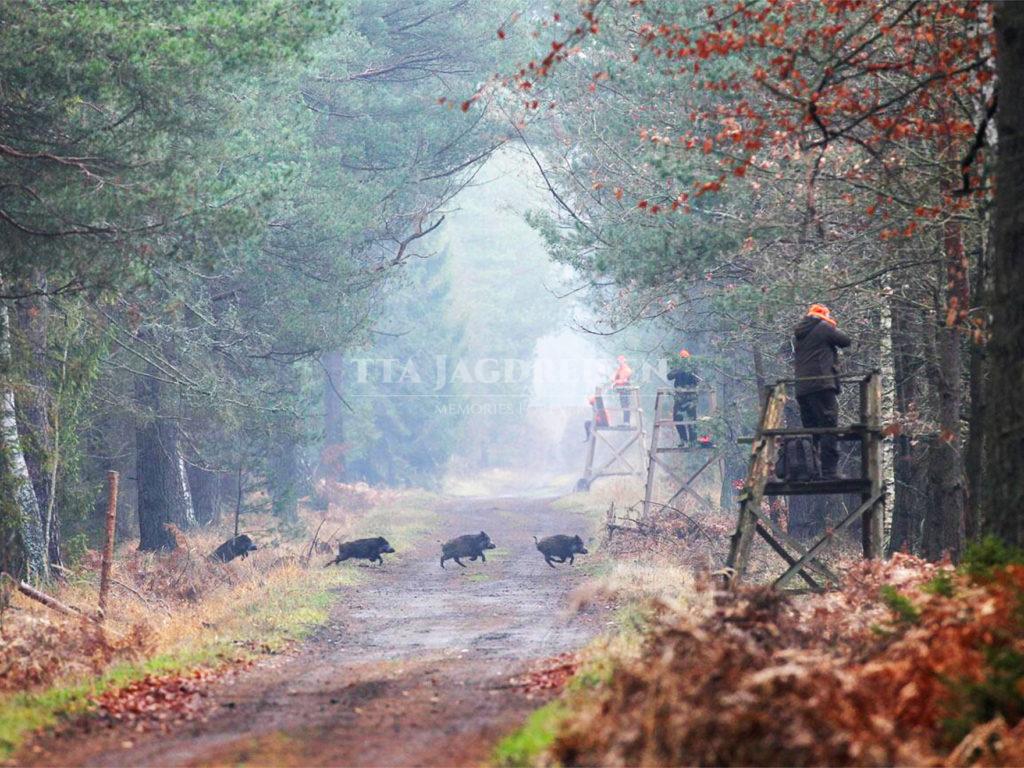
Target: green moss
(524, 746)
(904, 609)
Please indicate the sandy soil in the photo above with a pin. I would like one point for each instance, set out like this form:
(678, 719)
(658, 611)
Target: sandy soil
(413, 668)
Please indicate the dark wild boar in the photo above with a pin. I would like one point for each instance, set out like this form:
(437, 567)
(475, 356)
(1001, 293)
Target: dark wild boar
(560, 548)
(363, 549)
(239, 546)
(472, 545)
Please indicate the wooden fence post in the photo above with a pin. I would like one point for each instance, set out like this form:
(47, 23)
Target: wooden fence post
(108, 545)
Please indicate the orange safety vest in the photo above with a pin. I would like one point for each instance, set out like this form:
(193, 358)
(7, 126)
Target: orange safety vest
(622, 376)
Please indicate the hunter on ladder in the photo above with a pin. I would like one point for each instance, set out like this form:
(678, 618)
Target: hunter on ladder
(816, 344)
(684, 398)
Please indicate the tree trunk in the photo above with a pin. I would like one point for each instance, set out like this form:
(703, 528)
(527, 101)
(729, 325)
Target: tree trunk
(974, 463)
(25, 530)
(283, 476)
(886, 367)
(1004, 441)
(34, 424)
(944, 517)
(205, 486)
(332, 455)
(159, 471)
(910, 487)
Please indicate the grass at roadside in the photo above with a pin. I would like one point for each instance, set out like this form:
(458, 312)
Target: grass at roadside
(245, 609)
(260, 623)
(524, 746)
(632, 588)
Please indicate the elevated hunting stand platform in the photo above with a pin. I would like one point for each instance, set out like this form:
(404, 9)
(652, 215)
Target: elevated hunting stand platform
(665, 422)
(630, 424)
(803, 561)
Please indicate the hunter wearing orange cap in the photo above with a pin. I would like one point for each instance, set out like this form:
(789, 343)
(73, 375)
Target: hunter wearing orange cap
(683, 376)
(821, 312)
(817, 341)
(621, 382)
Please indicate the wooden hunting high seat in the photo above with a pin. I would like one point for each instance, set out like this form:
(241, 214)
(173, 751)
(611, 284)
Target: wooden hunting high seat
(618, 462)
(760, 482)
(665, 423)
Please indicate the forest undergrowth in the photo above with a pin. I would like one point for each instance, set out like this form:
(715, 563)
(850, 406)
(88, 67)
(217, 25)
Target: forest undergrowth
(177, 614)
(910, 663)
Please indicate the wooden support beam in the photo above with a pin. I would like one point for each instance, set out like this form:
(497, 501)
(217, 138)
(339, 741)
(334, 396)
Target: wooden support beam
(781, 552)
(762, 459)
(825, 540)
(792, 544)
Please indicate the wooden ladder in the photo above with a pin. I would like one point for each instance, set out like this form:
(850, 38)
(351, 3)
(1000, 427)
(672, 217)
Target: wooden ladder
(803, 561)
(664, 421)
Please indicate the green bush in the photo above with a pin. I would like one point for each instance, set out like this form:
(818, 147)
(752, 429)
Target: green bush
(983, 558)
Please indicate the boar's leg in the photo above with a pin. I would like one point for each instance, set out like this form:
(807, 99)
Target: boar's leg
(443, 558)
(459, 562)
(482, 557)
(548, 561)
(472, 558)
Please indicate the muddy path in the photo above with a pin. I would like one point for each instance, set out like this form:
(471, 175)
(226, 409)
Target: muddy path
(413, 668)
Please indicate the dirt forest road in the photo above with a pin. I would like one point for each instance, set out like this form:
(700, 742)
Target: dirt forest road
(413, 668)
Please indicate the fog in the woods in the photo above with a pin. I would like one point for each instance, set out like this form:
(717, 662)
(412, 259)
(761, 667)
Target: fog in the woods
(457, 382)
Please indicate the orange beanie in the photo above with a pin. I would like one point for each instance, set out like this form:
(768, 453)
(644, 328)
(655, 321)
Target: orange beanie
(821, 312)
(684, 353)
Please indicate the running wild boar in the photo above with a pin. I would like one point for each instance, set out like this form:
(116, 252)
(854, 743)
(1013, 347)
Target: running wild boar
(472, 545)
(560, 548)
(363, 549)
(239, 546)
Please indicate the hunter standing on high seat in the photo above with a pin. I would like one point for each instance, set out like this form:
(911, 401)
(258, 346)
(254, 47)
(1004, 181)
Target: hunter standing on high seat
(621, 382)
(817, 373)
(684, 400)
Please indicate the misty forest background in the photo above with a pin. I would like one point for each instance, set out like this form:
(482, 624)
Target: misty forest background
(209, 212)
